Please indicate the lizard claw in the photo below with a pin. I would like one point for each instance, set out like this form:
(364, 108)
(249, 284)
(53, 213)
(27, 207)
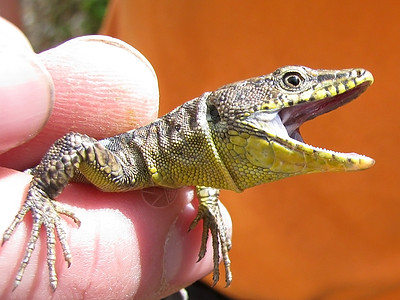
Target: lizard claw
(210, 213)
(45, 211)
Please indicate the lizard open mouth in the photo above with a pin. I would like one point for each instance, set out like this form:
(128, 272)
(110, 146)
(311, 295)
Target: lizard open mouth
(286, 144)
(293, 117)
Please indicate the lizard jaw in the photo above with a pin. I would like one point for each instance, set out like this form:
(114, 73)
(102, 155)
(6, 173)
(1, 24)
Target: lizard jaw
(286, 146)
(293, 117)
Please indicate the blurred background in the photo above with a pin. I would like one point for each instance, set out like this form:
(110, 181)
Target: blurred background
(320, 236)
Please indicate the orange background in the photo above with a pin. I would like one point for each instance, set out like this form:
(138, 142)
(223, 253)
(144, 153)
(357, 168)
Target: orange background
(322, 236)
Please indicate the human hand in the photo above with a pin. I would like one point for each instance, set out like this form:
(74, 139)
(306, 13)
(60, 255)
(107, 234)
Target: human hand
(130, 245)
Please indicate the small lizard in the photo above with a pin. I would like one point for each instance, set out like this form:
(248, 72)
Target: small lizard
(236, 137)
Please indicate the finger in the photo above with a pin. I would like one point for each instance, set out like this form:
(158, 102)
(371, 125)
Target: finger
(103, 87)
(123, 242)
(158, 253)
(26, 89)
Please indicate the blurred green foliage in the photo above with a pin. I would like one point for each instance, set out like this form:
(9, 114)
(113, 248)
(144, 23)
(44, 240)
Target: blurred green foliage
(95, 11)
(48, 23)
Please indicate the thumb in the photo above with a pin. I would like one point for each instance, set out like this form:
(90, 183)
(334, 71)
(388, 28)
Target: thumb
(26, 89)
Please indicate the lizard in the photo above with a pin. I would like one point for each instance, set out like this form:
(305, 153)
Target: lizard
(241, 135)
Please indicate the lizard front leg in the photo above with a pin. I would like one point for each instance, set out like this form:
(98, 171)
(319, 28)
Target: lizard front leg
(69, 157)
(209, 211)
(45, 211)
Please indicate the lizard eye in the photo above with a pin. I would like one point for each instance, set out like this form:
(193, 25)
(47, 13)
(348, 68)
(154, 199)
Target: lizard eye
(292, 80)
(213, 114)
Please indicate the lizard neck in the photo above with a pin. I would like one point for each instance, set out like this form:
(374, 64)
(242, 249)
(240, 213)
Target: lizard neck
(179, 149)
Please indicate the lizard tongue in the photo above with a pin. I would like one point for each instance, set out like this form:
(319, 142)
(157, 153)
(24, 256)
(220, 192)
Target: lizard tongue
(295, 134)
(270, 122)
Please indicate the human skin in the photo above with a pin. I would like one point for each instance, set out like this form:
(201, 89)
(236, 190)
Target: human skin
(130, 245)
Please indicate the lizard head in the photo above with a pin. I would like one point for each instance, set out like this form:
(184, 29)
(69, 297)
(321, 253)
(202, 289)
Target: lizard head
(255, 123)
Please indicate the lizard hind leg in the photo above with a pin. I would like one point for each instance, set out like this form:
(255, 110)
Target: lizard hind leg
(209, 212)
(45, 211)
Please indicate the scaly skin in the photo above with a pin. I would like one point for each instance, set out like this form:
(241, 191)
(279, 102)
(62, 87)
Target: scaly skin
(241, 135)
